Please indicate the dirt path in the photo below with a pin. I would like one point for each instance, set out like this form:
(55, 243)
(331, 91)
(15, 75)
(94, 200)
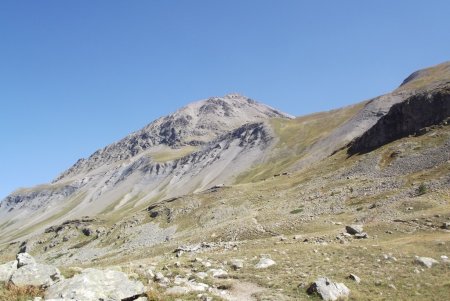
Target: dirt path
(242, 291)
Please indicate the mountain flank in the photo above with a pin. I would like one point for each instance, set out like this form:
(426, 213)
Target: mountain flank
(229, 199)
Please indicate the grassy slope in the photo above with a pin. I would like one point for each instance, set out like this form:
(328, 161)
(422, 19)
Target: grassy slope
(295, 137)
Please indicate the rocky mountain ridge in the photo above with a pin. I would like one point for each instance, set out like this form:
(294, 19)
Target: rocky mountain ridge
(195, 125)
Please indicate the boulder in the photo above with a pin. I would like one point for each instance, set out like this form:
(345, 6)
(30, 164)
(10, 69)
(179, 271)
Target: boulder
(328, 290)
(426, 261)
(218, 273)
(354, 278)
(265, 263)
(354, 229)
(177, 290)
(24, 259)
(361, 235)
(237, 264)
(94, 285)
(446, 226)
(36, 275)
(6, 270)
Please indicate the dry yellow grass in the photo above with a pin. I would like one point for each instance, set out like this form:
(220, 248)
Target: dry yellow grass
(9, 292)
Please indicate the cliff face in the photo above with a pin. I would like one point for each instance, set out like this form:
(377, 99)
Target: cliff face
(406, 118)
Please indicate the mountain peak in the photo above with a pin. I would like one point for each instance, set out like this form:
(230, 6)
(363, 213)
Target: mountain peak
(193, 125)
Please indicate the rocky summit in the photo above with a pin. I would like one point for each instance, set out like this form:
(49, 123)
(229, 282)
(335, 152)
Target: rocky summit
(230, 199)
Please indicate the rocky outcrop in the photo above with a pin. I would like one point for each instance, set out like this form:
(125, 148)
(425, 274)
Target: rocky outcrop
(409, 117)
(89, 285)
(93, 285)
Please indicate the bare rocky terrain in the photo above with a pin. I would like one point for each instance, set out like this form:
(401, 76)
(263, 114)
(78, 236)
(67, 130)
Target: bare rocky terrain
(229, 199)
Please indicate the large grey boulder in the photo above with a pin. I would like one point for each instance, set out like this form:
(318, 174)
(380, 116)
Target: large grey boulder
(24, 259)
(328, 290)
(36, 275)
(6, 270)
(94, 285)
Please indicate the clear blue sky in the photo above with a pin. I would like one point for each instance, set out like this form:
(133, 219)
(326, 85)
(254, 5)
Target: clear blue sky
(78, 75)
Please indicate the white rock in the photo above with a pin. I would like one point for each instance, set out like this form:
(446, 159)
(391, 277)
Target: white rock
(354, 278)
(93, 285)
(202, 275)
(328, 290)
(24, 259)
(177, 290)
(354, 229)
(36, 275)
(218, 273)
(265, 263)
(236, 264)
(426, 261)
(6, 270)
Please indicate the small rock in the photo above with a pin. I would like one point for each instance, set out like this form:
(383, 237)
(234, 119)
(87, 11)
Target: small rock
(354, 278)
(328, 290)
(87, 231)
(218, 273)
(426, 261)
(202, 275)
(177, 290)
(390, 285)
(361, 235)
(446, 226)
(354, 229)
(237, 264)
(265, 263)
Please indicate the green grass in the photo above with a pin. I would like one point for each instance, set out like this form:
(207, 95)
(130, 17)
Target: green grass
(170, 154)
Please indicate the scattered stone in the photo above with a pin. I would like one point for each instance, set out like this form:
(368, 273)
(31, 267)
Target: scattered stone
(328, 290)
(87, 231)
(444, 258)
(94, 285)
(354, 278)
(426, 261)
(265, 263)
(298, 237)
(390, 285)
(446, 226)
(362, 235)
(354, 229)
(237, 264)
(218, 273)
(202, 275)
(177, 290)
(161, 279)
